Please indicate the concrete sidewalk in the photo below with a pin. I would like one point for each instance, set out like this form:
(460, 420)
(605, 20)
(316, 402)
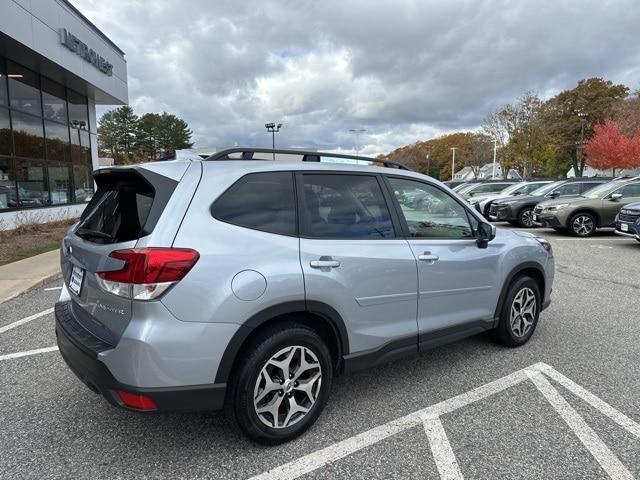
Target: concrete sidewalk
(23, 275)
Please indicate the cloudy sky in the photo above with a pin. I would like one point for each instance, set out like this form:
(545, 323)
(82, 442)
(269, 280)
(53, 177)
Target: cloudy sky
(403, 70)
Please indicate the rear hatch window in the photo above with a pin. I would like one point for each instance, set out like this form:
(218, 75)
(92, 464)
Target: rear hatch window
(124, 208)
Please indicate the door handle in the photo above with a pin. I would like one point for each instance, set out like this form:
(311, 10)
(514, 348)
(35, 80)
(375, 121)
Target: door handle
(324, 263)
(427, 257)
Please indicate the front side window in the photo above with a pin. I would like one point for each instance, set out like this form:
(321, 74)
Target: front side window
(429, 211)
(567, 189)
(345, 207)
(261, 201)
(630, 190)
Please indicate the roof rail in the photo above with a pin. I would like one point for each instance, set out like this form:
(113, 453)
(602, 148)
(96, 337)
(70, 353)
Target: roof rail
(307, 156)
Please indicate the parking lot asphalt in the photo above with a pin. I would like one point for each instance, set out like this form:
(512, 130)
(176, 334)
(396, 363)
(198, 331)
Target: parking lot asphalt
(454, 412)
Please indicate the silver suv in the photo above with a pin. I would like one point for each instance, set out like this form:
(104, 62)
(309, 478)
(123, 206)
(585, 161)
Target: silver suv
(254, 277)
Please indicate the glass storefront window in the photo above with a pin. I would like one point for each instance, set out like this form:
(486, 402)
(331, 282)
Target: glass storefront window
(57, 136)
(54, 104)
(3, 84)
(24, 92)
(78, 113)
(60, 185)
(27, 135)
(83, 182)
(8, 192)
(33, 188)
(6, 147)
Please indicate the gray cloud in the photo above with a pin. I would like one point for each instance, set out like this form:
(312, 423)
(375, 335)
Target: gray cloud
(404, 70)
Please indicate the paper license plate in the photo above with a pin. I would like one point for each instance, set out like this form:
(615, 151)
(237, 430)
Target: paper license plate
(75, 282)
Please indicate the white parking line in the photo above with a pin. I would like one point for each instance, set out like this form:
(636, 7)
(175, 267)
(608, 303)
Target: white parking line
(22, 321)
(443, 453)
(28, 352)
(605, 457)
(441, 448)
(52, 288)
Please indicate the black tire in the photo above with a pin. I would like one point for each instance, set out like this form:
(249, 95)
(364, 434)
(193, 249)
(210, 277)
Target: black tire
(525, 218)
(506, 333)
(582, 224)
(261, 349)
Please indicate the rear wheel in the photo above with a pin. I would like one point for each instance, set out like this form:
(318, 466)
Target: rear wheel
(283, 384)
(520, 312)
(525, 217)
(582, 225)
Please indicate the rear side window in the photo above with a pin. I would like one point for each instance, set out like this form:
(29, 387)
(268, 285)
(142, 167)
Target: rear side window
(119, 211)
(261, 201)
(345, 206)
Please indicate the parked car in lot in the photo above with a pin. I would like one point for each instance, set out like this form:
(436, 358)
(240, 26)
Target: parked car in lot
(482, 202)
(628, 221)
(191, 284)
(456, 184)
(519, 210)
(596, 208)
(484, 188)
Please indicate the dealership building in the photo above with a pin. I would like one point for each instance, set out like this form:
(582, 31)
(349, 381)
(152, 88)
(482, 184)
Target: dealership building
(55, 67)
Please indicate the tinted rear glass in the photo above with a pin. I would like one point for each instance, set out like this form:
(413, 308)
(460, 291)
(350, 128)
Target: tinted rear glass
(262, 201)
(118, 211)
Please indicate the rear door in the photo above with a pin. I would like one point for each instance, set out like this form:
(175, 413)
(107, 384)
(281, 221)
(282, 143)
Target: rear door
(124, 210)
(353, 260)
(457, 280)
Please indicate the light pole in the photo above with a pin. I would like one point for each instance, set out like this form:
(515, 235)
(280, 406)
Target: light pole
(495, 148)
(453, 160)
(429, 163)
(583, 121)
(272, 128)
(357, 132)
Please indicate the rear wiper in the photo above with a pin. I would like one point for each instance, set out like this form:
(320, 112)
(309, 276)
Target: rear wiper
(93, 233)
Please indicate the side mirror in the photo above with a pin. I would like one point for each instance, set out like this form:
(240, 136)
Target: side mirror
(486, 233)
(615, 197)
(554, 195)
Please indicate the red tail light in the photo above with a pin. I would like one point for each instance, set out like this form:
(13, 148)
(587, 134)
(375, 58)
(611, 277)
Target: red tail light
(136, 400)
(147, 272)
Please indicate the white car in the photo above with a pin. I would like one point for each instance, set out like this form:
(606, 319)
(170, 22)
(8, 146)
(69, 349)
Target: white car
(482, 203)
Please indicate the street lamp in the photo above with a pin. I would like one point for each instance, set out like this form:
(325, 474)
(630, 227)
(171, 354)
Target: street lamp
(453, 160)
(495, 149)
(583, 121)
(429, 163)
(357, 132)
(272, 128)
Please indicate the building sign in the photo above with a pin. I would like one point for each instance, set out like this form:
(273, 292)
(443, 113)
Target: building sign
(77, 46)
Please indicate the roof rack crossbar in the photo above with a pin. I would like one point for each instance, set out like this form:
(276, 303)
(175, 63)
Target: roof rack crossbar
(307, 156)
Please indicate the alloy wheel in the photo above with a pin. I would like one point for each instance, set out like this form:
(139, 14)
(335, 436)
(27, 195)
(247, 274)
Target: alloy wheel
(287, 387)
(523, 312)
(527, 218)
(583, 225)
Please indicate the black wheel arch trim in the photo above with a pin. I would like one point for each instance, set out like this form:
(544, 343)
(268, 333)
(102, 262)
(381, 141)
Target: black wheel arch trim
(328, 313)
(509, 280)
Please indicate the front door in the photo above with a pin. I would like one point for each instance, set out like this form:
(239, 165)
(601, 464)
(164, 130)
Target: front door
(354, 262)
(457, 280)
(611, 206)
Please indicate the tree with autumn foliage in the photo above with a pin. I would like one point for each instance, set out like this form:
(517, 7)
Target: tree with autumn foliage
(609, 148)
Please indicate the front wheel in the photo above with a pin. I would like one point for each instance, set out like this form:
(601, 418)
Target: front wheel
(283, 384)
(520, 312)
(582, 225)
(525, 218)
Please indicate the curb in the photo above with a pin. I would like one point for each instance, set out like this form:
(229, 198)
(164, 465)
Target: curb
(35, 285)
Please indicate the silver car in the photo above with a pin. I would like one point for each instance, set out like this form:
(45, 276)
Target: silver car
(254, 277)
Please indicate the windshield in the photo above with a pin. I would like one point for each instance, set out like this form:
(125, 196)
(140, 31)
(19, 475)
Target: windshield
(602, 190)
(466, 187)
(538, 192)
(515, 188)
(457, 188)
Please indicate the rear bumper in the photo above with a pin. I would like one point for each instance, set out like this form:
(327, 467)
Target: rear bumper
(81, 355)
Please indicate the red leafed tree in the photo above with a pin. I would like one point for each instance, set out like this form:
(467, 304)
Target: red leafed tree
(610, 149)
